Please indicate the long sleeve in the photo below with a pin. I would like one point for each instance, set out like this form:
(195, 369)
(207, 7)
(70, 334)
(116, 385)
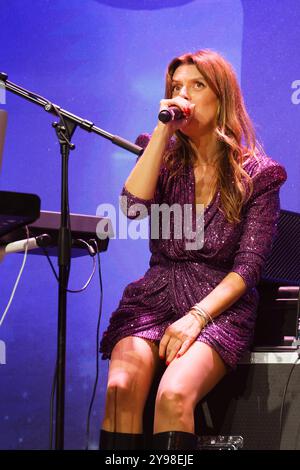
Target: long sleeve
(132, 206)
(260, 224)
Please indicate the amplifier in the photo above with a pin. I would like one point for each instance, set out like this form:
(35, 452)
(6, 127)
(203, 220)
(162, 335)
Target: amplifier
(277, 315)
(283, 264)
(247, 402)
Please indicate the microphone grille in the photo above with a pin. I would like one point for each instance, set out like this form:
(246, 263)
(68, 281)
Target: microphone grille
(165, 116)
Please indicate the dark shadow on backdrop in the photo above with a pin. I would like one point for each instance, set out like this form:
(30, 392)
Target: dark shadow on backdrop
(270, 64)
(144, 4)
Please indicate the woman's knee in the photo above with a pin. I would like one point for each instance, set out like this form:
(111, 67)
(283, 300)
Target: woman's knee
(122, 389)
(173, 401)
(124, 405)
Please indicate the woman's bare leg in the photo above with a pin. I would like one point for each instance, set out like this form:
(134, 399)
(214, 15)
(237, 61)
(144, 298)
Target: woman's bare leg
(132, 367)
(185, 382)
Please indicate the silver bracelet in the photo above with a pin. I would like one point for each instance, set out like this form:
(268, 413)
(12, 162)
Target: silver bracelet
(203, 314)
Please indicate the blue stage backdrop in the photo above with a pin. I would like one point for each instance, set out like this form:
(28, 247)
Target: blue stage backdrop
(105, 61)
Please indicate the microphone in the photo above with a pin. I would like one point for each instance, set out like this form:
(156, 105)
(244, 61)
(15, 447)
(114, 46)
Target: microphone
(173, 113)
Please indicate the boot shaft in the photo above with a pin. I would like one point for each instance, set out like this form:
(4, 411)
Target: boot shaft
(120, 441)
(175, 440)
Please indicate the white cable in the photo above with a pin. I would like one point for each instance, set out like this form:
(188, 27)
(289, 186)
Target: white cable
(17, 280)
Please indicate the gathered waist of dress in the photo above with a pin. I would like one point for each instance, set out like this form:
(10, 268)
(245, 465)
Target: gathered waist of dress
(162, 260)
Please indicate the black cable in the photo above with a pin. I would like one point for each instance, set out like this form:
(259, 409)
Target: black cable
(97, 350)
(73, 291)
(54, 381)
(283, 398)
(52, 397)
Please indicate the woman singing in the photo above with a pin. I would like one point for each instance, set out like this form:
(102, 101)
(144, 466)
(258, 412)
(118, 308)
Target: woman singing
(194, 309)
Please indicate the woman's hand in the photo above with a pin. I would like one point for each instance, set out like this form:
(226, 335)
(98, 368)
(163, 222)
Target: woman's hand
(186, 107)
(179, 336)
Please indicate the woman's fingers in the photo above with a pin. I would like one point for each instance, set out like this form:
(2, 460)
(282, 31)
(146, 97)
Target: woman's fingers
(163, 345)
(185, 106)
(184, 347)
(172, 350)
(180, 102)
(178, 337)
(177, 348)
(168, 348)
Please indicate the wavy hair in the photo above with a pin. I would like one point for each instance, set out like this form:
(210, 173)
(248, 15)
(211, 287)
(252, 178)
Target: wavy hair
(234, 131)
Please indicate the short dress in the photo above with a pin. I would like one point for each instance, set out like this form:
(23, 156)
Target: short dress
(178, 277)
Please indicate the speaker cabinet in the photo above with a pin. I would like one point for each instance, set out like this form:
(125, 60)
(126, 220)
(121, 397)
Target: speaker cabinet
(247, 403)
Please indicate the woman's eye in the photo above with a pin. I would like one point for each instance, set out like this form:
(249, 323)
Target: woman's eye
(199, 84)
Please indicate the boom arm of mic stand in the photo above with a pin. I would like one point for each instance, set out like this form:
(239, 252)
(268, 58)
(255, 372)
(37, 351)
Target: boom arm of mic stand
(77, 120)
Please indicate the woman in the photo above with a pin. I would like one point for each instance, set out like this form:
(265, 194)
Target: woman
(194, 308)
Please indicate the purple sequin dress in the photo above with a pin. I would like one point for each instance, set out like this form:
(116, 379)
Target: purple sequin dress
(178, 278)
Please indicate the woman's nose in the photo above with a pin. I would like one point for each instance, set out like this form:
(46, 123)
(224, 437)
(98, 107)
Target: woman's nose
(184, 93)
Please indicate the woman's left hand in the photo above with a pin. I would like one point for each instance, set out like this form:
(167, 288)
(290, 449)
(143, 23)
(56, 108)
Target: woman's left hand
(179, 336)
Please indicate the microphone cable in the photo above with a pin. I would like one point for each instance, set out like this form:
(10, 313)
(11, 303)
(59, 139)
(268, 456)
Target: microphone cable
(92, 253)
(97, 348)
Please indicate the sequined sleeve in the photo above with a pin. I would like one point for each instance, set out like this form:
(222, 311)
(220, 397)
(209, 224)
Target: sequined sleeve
(260, 225)
(132, 206)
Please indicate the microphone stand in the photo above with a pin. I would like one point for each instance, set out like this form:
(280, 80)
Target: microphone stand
(65, 128)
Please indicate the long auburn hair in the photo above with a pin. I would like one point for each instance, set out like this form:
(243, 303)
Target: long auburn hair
(234, 131)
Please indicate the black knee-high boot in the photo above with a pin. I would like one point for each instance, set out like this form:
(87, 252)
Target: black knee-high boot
(175, 440)
(120, 441)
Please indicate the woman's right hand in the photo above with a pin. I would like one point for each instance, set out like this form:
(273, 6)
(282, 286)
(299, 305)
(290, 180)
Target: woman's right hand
(186, 107)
